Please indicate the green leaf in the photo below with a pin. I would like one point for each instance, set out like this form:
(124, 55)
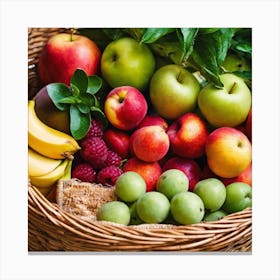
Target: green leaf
(243, 74)
(79, 80)
(135, 33)
(68, 100)
(87, 99)
(97, 35)
(58, 91)
(207, 30)
(186, 38)
(75, 90)
(96, 110)
(151, 35)
(98, 113)
(94, 84)
(113, 33)
(83, 108)
(165, 49)
(79, 122)
(210, 51)
(242, 42)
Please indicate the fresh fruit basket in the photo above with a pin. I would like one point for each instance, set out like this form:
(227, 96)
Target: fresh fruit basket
(74, 204)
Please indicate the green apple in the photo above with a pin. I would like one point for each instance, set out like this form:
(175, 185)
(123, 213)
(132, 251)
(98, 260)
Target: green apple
(227, 106)
(212, 191)
(214, 216)
(130, 186)
(114, 211)
(173, 91)
(234, 63)
(126, 62)
(238, 197)
(187, 208)
(153, 207)
(171, 182)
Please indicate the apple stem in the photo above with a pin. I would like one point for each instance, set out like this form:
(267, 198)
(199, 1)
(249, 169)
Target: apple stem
(232, 88)
(72, 30)
(178, 77)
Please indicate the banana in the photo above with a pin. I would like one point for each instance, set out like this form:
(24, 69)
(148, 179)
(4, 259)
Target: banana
(39, 165)
(67, 172)
(48, 141)
(47, 180)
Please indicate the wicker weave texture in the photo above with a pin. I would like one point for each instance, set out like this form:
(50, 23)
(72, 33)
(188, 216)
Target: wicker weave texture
(52, 229)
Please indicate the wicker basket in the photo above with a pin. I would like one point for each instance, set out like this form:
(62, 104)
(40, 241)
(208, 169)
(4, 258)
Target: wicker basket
(52, 229)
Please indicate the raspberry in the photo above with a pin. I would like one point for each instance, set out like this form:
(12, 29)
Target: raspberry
(95, 129)
(84, 172)
(109, 175)
(94, 151)
(113, 159)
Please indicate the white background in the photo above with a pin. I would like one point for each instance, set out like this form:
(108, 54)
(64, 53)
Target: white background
(17, 16)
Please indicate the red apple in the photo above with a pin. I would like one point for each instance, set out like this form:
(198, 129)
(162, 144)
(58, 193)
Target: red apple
(125, 107)
(150, 143)
(228, 152)
(244, 177)
(207, 173)
(188, 166)
(188, 136)
(63, 54)
(248, 125)
(117, 141)
(153, 120)
(150, 171)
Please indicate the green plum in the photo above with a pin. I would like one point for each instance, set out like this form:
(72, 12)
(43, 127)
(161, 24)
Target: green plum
(214, 216)
(114, 211)
(238, 197)
(171, 182)
(130, 186)
(187, 208)
(212, 191)
(134, 217)
(153, 207)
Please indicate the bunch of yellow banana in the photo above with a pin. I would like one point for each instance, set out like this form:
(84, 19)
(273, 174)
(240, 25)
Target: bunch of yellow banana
(48, 141)
(44, 172)
(50, 153)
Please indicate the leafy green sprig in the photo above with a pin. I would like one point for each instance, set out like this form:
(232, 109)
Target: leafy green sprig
(80, 100)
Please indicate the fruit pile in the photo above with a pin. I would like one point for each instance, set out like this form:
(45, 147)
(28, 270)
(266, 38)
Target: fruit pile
(164, 115)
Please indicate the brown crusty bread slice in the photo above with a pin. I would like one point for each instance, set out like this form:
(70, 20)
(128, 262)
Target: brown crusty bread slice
(83, 199)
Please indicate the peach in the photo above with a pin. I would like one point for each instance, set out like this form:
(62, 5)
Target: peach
(117, 141)
(244, 177)
(228, 152)
(125, 107)
(188, 136)
(153, 120)
(150, 171)
(190, 167)
(150, 143)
